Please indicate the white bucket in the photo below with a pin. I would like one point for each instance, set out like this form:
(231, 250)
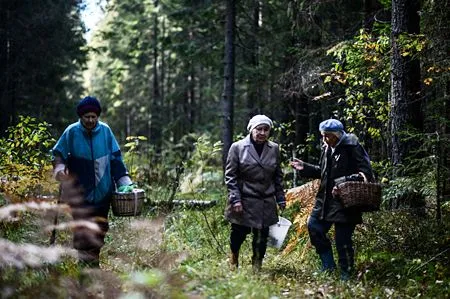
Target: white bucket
(278, 232)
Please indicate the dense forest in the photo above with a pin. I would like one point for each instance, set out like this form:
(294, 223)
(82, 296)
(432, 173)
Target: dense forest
(178, 81)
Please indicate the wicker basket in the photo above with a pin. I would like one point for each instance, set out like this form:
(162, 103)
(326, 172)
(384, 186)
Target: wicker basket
(128, 203)
(363, 196)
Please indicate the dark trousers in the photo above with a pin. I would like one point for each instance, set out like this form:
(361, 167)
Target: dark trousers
(86, 241)
(259, 243)
(318, 230)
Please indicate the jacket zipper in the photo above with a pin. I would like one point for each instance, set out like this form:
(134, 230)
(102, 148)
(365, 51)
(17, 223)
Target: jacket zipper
(93, 164)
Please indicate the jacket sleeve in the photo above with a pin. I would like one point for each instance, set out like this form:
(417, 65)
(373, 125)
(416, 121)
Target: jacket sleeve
(60, 153)
(278, 180)
(310, 171)
(313, 171)
(118, 169)
(61, 148)
(231, 173)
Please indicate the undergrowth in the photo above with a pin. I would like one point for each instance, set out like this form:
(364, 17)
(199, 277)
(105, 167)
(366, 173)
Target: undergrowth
(397, 256)
(179, 252)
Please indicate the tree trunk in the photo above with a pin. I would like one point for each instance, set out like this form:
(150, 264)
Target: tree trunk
(186, 115)
(398, 100)
(165, 107)
(253, 80)
(301, 121)
(192, 95)
(415, 108)
(228, 88)
(7, 83)
(4, 67)
(155, 128)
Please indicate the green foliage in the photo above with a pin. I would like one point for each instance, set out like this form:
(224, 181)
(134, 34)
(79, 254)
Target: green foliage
(414, 183)
(436, 63)
(27, 143)
(14, 231)
(134, 153)
(403, 253)
(386, 3)
(152, 171)
(152, 283)
(412, 44)
(46, 281)
(25, 159)
(362, 68)
(43, 62)
(404, 191)
(394, 251)
(183, 167)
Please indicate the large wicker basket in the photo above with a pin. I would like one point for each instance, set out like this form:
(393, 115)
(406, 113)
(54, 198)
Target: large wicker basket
(363, 196)
(128, 203)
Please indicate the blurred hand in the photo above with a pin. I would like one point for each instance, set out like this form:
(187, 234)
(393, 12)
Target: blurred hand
(336, 191)
(237, 207)
(297, 164)
(281, 201)
(62, 175)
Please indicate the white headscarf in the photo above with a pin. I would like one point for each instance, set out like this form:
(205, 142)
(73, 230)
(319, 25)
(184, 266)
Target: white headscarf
(259, 120)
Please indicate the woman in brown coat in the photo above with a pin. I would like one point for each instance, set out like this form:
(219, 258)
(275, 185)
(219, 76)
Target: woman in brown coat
(254, 180)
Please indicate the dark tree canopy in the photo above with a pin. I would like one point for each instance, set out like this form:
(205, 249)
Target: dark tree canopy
(42, 54)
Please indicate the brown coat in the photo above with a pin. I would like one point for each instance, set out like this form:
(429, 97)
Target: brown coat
(254, 181)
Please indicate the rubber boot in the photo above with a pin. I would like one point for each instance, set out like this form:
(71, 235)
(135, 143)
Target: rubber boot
(328, 264)
(256, 265)
(346, 272)
(345, 275)
(234, 260)
(346, 263)
(89, 258)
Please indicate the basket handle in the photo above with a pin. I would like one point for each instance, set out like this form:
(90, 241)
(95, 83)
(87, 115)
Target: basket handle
(135, 203)
(364, 176)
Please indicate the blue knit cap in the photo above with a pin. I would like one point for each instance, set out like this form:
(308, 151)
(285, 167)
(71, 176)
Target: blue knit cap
(89, 104)
(331, 125)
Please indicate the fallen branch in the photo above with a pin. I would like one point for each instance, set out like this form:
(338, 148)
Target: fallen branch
(188, 203)
(412, 269)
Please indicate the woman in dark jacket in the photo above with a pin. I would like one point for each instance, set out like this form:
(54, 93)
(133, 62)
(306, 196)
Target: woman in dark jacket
(342, 158)
(254, 180)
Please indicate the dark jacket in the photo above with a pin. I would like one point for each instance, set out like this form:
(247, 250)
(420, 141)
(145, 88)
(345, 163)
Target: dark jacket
(255, 181)
(348, 158)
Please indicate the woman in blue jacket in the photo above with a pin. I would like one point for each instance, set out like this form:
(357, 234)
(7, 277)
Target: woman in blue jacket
(88, 153)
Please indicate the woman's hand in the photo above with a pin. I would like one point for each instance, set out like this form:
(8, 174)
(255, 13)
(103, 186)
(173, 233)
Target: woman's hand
(62, 175)
(237, 207)
(336, 191)
(297, 164)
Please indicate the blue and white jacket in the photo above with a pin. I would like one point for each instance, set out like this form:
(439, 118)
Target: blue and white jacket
(94, 158)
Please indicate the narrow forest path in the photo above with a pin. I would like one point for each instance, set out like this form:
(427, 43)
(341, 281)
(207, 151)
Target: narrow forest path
(134, 264)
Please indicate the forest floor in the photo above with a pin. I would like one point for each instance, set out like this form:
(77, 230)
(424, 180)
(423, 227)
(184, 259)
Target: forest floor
(177, 256)
(131, 242)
